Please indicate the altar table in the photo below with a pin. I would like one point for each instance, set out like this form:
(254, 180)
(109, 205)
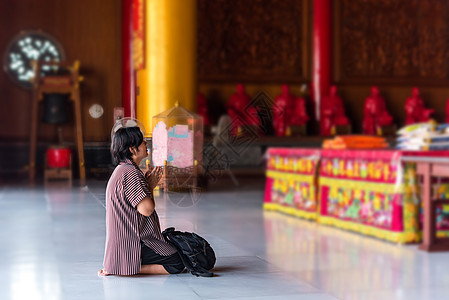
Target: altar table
(373, 192)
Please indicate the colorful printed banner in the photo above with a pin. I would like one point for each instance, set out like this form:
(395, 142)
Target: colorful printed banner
(375, 170)
(294, 191)
(298, 161)
(366, 189)
(291, 182)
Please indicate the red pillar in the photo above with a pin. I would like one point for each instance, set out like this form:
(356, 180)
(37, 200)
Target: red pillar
(128, 75)
(322, 21)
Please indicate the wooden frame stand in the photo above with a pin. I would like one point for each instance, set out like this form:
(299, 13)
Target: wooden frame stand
(63, 85)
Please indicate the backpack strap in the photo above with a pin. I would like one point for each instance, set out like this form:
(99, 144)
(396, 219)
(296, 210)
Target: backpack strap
(206, 273)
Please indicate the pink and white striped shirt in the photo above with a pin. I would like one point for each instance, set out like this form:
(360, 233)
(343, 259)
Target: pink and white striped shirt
(125, 226)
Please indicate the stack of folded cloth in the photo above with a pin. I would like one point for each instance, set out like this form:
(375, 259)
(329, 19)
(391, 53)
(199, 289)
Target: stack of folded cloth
(423, 136)
(355, 142)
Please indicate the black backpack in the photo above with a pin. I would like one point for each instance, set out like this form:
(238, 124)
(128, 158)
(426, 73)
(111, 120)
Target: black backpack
(196, 253)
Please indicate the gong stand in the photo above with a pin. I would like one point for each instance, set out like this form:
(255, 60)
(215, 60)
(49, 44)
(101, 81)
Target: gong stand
(67, 84)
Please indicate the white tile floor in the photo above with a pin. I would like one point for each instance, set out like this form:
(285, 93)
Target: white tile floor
(52, 242)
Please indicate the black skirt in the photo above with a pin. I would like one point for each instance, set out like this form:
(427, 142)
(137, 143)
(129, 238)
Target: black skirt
(172, 263)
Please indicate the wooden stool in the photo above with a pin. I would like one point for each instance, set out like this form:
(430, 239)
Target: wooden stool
(58, 173)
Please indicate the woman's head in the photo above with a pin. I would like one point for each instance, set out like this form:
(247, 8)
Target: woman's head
(124, 139)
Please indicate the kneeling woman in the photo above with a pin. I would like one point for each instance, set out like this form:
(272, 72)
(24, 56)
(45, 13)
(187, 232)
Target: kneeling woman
(134, 242)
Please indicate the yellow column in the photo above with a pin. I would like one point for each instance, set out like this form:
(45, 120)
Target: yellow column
(170, 59)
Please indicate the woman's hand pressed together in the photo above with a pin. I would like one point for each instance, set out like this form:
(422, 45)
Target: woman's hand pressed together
(153, 176)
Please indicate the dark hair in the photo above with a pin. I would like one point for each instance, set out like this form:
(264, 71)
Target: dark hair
(122, 140)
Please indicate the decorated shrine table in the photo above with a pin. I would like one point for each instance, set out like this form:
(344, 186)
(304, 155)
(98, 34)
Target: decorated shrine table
(373, 192)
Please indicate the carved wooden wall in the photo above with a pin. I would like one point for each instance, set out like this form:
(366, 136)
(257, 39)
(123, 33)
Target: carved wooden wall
(394, 44)
(392, 41)
(253, 41)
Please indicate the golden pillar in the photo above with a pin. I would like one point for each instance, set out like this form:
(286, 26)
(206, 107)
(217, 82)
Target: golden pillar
(170, 59)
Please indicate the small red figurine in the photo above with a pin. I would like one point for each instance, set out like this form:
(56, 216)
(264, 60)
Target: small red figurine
(415, 110)
(282, 110)
(332, 112)
(240, 111)
(202, 109)
(300, 116)
(375, 113)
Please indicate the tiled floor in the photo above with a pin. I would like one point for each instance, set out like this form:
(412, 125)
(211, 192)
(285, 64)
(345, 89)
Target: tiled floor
(52, 242)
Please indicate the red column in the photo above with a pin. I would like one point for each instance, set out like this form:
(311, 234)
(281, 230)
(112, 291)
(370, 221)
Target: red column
(128, 75)
(322, 21)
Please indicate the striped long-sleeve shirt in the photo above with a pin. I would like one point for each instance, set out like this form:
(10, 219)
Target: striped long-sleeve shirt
(125, 226)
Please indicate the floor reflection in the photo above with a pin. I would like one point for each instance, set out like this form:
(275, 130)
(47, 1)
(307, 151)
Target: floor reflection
(339, 262)
(52, 244)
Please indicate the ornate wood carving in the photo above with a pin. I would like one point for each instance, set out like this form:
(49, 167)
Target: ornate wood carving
(252, 40)
(392, 40)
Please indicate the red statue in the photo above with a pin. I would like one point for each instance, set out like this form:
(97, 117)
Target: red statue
(332, 112)
(282, 110)
(202, 109)
(300, 116)
(240, 111)
(415, 110)
(375, 113)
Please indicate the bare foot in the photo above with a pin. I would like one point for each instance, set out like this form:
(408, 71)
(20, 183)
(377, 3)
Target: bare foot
(103, 272)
